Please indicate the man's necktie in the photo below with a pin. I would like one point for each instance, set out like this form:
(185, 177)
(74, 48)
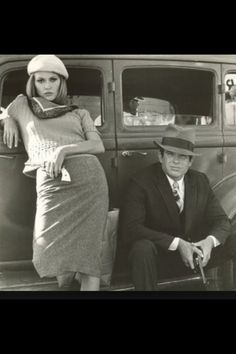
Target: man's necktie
(179, 202)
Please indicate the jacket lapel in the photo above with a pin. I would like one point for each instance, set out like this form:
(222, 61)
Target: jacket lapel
(164, 187)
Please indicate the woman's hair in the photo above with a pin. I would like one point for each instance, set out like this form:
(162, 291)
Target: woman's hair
(62, 92)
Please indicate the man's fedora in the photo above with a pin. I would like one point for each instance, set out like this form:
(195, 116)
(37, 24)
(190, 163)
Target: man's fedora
(178, 139)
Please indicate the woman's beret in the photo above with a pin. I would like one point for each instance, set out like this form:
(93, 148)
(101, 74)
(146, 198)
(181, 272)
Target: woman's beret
(49, 63)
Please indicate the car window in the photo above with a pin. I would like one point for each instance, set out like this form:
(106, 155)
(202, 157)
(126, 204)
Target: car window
(84, 89)
(91, 104)
(167, 95)
(230, 99)
(154, 111)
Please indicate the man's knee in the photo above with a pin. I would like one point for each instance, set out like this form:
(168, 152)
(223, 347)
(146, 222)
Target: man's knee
(143, 249)
(230, 246)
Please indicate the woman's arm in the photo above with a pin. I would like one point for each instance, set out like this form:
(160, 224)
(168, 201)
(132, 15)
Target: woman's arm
(93, 145)
(11, 136)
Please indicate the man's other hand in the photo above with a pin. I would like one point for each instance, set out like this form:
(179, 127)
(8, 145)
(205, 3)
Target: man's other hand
(187, 250)
(206, 246)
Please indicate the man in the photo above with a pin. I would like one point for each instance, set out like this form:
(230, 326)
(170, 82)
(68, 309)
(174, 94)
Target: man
(130, 111)
(170, 214)
(230, 107)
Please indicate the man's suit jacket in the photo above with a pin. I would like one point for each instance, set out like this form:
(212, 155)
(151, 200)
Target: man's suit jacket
(150, 211)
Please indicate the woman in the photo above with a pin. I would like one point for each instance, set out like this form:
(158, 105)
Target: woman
(72, 193)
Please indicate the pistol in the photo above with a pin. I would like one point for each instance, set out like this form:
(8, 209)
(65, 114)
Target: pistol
(198, 267)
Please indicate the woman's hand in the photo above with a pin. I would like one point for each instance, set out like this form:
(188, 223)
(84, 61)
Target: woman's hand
(53, 166)
(10, 132)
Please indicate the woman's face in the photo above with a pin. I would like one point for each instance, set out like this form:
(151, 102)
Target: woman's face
(47, 84)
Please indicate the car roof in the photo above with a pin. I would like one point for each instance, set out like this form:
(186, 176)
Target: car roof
(217, 58)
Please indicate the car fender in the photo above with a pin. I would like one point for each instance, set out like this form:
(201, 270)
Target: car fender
(225, 191)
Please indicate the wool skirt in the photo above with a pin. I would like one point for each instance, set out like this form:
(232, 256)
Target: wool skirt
(70, 219)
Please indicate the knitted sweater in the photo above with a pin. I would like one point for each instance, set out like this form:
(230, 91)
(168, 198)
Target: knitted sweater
(41, 137)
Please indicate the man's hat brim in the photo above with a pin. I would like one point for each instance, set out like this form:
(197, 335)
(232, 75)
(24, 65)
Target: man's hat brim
(176, 150)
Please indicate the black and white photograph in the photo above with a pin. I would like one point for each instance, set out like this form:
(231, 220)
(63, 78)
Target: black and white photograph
(118, 175)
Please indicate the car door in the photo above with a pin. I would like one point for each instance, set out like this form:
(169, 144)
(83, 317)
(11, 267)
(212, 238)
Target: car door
(171, 91)
(227, 188)
(17, 197)
(88, 86)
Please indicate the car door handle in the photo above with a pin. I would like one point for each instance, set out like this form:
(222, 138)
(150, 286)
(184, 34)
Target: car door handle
(128, 153)
(7, 157)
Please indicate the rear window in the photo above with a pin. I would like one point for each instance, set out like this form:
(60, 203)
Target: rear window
(230, 98)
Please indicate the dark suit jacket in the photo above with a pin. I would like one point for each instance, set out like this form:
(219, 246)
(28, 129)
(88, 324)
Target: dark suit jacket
(150, 211)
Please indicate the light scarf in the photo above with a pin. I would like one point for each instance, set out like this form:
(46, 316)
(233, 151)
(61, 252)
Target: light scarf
(45, 109)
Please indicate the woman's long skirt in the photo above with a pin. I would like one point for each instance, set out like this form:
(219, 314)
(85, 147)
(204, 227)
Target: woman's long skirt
(70, 219)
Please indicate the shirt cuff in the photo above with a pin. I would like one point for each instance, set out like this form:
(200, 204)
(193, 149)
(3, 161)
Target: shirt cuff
(215, 241)
(174, 244)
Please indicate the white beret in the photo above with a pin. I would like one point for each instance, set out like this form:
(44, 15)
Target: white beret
(47, 63)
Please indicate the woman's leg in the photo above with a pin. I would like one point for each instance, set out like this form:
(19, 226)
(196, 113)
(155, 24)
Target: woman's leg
(89, 283)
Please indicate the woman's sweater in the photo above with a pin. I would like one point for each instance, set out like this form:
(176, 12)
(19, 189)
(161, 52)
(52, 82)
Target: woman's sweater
(41, 137)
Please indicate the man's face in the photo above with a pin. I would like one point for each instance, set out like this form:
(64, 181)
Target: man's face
(233, 92)
(174, 165)
(133, 106)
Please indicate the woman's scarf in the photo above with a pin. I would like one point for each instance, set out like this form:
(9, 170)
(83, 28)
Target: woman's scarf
(45, 109)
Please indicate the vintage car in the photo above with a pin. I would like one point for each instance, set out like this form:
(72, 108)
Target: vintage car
(184, 89)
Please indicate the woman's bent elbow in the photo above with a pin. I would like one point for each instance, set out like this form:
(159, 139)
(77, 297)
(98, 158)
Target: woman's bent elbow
(101, 149)
(98, 147)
